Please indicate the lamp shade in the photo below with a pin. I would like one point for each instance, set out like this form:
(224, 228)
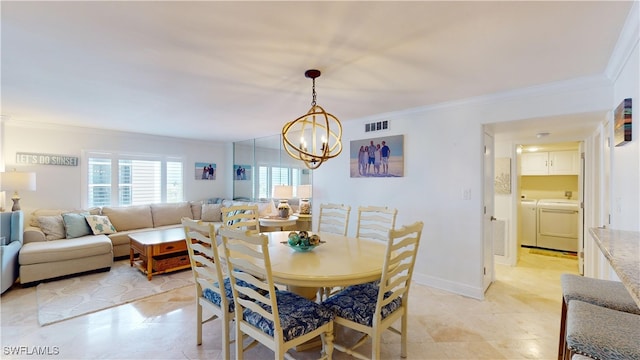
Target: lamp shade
(282, 192)
(18, 181)
(304, 191)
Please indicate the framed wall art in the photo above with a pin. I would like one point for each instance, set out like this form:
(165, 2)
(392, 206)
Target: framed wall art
(502, 183)
(205, 171)
(377, 157)
(622, 123)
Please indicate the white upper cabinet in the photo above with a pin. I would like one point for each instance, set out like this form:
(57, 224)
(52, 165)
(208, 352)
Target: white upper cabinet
(550, 163)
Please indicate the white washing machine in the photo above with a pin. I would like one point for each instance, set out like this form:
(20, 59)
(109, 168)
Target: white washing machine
(558, 224)
(528, 222)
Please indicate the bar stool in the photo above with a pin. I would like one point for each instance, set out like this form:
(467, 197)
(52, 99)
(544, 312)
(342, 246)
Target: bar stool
(604, 293)
(601, 333)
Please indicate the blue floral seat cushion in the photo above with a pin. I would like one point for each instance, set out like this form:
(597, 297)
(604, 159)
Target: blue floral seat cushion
(298, 316)
(358, 303)
(214, 297)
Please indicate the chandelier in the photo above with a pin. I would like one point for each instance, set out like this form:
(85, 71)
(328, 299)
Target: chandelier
(315, 136)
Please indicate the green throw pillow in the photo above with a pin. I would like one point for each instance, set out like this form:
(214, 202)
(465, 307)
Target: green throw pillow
(76, 225)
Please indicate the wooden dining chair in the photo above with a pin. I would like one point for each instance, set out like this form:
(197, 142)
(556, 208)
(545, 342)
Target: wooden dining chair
(374, 222)
(334, 218)
(208, 275)
(278, 319)
(244, 217)
(372, 308)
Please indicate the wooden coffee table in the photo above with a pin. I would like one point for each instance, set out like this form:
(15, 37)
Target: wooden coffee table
(159, 251)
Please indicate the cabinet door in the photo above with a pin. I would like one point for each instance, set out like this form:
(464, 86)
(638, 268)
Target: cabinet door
(535, 163)
(564, 163)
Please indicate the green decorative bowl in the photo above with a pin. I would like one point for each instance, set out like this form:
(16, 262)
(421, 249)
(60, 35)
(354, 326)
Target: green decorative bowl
(303, 248)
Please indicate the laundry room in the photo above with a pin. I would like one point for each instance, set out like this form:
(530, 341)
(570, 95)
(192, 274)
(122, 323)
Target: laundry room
(548, 189)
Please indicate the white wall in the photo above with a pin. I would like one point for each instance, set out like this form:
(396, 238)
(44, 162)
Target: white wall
(625, 160)
(60, 186)
(443, 157)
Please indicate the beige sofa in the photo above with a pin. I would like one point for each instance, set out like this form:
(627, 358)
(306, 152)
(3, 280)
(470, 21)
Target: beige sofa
(48, 254)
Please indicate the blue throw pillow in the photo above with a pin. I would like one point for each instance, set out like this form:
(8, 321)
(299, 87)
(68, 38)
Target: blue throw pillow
(76, 225)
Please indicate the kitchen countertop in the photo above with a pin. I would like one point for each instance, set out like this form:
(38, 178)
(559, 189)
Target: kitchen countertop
(622, 249)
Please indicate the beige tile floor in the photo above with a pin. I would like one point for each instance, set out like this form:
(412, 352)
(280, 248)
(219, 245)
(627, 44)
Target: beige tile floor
(518, 319)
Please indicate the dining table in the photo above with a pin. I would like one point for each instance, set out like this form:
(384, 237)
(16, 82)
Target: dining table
(337, 262)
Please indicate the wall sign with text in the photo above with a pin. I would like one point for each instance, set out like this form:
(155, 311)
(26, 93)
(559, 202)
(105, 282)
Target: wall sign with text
(46, 159)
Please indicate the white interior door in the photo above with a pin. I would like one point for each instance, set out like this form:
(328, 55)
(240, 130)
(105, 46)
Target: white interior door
(488, 216)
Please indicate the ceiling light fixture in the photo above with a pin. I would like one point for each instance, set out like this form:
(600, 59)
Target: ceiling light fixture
(315, 136)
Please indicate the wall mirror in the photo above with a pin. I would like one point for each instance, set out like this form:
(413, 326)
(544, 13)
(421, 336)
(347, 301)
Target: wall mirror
(261, 163)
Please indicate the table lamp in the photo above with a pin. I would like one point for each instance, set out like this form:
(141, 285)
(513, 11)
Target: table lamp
(283, 193)
(17, 181)
(304, 193)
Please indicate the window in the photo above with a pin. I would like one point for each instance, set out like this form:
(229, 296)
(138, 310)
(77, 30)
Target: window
(132, 179)
(268, 176)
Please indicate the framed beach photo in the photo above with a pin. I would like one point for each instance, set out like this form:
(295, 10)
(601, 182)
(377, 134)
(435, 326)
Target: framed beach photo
(377, 157)
(242, 172)
(205, 171)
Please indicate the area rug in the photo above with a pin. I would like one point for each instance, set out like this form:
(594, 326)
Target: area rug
(84, 294)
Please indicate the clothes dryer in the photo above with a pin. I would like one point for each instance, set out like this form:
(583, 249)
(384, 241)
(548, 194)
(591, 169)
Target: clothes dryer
(558, 224)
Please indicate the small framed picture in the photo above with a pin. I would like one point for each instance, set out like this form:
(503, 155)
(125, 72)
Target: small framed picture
(205, 171)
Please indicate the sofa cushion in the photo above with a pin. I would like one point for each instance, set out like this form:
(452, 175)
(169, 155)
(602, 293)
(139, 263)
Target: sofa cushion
(66, 249)
(211, 212)
(196, 210)
(129, 217)
(52, 227)
(169, 214)
(100, 224)
(76, 225)
(52, 212)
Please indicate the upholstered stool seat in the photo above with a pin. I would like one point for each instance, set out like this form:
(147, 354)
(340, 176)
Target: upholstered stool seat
(605, 293)
(580, 357)
(602, 333)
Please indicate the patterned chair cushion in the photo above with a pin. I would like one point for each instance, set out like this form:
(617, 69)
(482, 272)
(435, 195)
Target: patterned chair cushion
(298, 316)
(358, 303)
(215, 298)
(602, 333)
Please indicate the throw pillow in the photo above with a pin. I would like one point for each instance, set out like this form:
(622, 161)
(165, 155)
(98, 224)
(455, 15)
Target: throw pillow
(52, 227)
(211, 212)
(76, 225)
(100, 224)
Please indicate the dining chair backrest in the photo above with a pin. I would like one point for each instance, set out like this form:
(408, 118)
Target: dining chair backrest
(334, 218)
(381, 304)
(258, 303)
(399, 260)
(243, 217)
(374, 222)
(208, 273)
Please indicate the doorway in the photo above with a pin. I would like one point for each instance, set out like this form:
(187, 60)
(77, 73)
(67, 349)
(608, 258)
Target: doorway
(549, 193)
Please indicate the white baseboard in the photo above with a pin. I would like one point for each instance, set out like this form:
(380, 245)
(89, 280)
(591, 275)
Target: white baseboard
(450, 286)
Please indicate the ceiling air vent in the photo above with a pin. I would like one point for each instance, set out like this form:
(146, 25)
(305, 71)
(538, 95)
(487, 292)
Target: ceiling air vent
(376, 126)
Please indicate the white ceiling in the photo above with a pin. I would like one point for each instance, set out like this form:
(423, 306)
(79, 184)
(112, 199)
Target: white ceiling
(235, 70)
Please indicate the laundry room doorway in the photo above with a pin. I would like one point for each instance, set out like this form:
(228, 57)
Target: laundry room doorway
(549, 206)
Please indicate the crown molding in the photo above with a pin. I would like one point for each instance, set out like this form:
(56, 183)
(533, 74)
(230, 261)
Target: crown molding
(626, 44)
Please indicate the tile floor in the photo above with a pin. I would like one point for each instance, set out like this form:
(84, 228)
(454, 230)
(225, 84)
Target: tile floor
(519, 319)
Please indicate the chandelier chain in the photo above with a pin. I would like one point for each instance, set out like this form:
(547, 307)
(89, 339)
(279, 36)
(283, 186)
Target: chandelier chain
(313, 92)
